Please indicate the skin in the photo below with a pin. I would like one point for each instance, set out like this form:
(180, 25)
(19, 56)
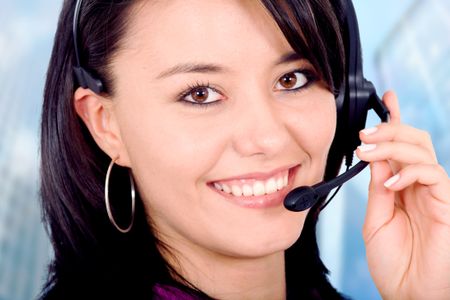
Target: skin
(175, 149)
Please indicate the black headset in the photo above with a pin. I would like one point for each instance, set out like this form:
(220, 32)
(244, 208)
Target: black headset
(85, 79)
(357, 96)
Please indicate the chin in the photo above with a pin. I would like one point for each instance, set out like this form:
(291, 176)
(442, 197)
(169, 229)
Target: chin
(269, 238)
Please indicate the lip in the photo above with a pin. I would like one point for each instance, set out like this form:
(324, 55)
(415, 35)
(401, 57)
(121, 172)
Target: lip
(258, 175)
(263, 201)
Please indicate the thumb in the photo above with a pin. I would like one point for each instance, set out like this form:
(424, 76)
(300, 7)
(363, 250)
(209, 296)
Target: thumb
(381, 203)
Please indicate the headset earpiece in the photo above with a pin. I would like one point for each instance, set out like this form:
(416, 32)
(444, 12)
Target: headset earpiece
(358, 94)
(84, 78)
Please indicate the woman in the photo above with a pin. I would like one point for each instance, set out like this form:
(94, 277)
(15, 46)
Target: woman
(216, 110)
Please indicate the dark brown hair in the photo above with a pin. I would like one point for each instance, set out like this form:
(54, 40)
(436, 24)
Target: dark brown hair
(91, 258)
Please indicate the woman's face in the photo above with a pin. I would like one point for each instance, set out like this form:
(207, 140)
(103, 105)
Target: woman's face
(220, 120)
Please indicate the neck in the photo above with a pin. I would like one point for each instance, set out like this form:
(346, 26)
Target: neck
(227, 277)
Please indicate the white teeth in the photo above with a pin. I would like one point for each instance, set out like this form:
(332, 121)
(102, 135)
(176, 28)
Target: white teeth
(236, 191)
(271, 186)
(247, 190)
(226, 188)
(280, 183)
(258, 188)
(217, 186)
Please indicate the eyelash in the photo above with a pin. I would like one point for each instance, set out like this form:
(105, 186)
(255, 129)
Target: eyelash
(310, 75)
(186, 92)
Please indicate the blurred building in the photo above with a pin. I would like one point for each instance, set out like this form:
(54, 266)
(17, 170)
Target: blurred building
(415, 62)
(25, 45)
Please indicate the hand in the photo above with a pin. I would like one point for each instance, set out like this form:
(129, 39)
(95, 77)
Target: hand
(407, 225)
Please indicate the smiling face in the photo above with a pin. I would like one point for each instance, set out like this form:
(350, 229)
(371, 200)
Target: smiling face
(220, 119)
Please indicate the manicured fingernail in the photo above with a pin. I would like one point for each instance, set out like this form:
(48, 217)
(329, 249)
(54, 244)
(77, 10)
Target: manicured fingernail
(370, 130)
(392, 180)
(367, 147)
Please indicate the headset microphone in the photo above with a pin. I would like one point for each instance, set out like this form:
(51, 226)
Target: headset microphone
(305, 197)
(356, 98)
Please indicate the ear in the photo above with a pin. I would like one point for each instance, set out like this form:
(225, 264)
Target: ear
(98, 115)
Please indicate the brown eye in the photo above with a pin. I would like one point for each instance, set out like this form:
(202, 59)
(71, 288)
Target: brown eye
(292, 81)
(200, 94)
(288, 81)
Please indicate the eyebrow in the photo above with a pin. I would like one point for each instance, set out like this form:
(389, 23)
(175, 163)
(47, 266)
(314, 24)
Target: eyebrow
(213, 68)
(191, 68)
(289, 57)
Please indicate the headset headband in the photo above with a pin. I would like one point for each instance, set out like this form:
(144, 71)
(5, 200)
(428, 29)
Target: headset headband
(84, 78)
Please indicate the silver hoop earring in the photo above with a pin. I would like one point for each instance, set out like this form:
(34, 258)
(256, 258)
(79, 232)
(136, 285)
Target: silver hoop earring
(133, 199)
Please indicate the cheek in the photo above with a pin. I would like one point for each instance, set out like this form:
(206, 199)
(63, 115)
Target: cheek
(165, 153)
(325, 128)
(314, 124)
(169, 158)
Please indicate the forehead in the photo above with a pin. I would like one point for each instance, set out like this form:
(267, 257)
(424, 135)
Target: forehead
(203, 30)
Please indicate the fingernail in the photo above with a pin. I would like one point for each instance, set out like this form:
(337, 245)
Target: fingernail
(392, 180)
(370, 130)
(367, 147)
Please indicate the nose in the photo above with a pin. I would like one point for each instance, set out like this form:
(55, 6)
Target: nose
(259, 127)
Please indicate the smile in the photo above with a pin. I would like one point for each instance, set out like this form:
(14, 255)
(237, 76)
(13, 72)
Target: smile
(253, 187)
(257, 190)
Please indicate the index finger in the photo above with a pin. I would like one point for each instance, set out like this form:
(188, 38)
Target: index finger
(391, 101)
